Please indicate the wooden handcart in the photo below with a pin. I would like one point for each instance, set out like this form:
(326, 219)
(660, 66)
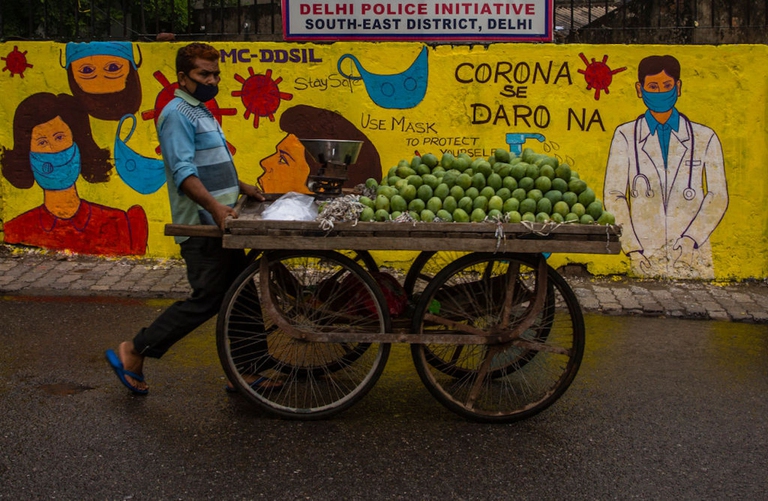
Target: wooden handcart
(496, 334)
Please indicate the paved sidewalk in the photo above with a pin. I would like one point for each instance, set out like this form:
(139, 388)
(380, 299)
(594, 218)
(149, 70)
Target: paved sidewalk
(24, 272)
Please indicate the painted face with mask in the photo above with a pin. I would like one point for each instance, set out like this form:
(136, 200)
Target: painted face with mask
(659, 92)
(202, 82)
(53, 156)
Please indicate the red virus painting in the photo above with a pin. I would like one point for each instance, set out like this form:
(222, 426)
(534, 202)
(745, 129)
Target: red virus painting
(164, 97)
(16, 62)
(598, 75)
(261, 96)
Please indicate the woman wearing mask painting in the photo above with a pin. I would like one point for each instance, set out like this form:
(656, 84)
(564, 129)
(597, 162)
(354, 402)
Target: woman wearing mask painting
(287, 169)
(53, 146)
(103, 76)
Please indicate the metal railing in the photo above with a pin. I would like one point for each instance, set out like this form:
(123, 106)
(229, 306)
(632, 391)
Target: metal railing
(140, 20)
(584, 21)
(662, 21)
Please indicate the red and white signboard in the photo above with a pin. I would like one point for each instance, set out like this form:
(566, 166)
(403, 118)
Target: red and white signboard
(425, 20)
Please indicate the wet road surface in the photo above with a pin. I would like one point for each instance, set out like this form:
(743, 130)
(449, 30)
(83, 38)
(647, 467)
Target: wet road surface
(661, 409)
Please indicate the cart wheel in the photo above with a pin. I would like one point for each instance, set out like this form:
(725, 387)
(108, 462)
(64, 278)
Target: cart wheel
(446, 360)
(508, 381)
(363, 258)
(426, 265)
(314, 291)
(252, 255)
(424, 268)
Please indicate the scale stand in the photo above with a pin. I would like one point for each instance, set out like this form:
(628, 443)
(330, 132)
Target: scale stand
(328, 180)
(335, 156)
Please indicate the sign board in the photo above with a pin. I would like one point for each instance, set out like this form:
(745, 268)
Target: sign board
(424, 20)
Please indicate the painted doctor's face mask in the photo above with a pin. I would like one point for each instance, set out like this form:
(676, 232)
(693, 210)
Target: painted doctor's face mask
(660, 101)
(659, 92)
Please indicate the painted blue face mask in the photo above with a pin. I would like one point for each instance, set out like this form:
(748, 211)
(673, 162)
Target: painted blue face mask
(394, 91)
(56, 171)
(660, 101)
(145, 175)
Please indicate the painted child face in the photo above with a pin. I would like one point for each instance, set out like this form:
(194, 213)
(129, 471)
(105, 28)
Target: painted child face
(101, 74)
(285, 170)
(51, 137)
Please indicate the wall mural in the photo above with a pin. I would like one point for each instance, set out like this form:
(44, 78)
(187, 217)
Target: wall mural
(53, 146)
(288, 168)
(665, 180)
(396, 91)
(82, 171)
(104, 78)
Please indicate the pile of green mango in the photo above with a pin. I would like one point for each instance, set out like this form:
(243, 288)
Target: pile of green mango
(531, 187)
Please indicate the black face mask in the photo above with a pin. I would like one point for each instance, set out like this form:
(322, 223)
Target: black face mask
(204, 92)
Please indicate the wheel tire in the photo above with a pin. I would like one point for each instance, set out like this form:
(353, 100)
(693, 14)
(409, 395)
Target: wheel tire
(424, 268)
(364, 259)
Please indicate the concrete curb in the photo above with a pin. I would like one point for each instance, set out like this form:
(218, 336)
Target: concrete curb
(31, 273)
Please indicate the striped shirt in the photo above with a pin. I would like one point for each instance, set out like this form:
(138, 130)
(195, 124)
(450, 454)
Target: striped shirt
(193, 144)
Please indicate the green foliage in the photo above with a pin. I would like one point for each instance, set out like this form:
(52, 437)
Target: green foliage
(98, 20)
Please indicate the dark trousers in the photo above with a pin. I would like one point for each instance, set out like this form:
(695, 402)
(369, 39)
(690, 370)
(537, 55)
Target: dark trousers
(211, 270)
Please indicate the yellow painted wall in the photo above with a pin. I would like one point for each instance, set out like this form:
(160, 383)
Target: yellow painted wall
(723, 87)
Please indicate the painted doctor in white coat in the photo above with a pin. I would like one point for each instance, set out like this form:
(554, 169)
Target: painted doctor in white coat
(665, 181)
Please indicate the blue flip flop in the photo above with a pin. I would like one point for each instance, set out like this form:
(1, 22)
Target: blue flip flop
(114, 361)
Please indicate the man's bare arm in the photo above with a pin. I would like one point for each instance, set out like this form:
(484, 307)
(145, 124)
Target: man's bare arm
(195, 190)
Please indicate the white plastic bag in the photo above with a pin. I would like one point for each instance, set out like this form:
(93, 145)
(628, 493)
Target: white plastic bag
(291, 207)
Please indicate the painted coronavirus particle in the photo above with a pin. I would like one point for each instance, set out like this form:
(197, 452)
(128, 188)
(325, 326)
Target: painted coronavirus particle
(16, 62)
(261, 95)
(598, 75)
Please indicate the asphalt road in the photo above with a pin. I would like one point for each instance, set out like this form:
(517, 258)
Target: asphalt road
(661, 409)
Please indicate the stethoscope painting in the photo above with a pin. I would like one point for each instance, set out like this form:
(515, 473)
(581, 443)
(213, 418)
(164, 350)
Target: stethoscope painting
(396, 91)
(688, 193)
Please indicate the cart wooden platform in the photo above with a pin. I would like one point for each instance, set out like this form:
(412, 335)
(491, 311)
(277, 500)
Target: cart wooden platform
(496, 334)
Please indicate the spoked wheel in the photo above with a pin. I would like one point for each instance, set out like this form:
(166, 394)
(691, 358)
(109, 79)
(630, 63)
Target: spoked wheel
(499, 294)
(363, 258)
(311, 292)
(424, 268)
(252, 255)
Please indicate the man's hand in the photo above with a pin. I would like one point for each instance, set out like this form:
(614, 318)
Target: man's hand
(251, 191)
(220, 214)
(195, 190)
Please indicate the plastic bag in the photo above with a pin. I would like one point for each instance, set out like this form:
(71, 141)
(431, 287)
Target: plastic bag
(291, 207)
